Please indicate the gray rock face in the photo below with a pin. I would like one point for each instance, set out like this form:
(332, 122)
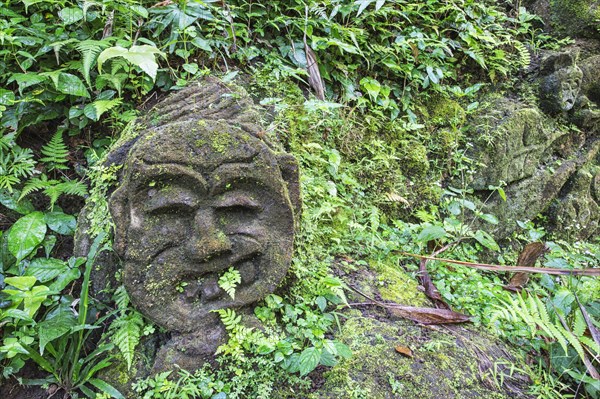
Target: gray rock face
(201, 193)
(547, 166)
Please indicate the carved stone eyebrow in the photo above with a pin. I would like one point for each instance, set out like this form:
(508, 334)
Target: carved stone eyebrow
(232, 175)
(168, 172)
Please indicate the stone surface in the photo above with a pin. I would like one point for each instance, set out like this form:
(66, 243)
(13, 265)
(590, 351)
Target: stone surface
(201, 192)
(546, 164)
(447, 362)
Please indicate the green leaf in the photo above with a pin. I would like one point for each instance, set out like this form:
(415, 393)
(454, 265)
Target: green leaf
(430, 233)
(61, 222)
(489, 218)
(23, 283)
(327, 359)
(372, 86)
(308, 360)
(95, 110)
(64, 279)
(26, 234)
(72, 85)
(140, 56)
(58, 323)
(71, 15)
(11, 201)
(106, 387)
(127, 332)
(7, 97)
(486, 240)
(44, 269)
(342, 350)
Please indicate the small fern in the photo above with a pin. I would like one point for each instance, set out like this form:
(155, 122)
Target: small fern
(56, 153)
(126, 332)
(530, 310)
(90, 49)
(16, 163)
(53, 189)
(229, 281)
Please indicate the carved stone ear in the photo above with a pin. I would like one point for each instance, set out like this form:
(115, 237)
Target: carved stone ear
(291, 175)
(119, 210)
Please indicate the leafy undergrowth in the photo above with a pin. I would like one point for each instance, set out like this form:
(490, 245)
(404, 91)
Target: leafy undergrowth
(400, 78)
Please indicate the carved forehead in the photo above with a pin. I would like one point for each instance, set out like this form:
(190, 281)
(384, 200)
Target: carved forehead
(210, 152)
(202, 145)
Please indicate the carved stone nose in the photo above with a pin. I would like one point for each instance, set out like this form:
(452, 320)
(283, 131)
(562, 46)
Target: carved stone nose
(207, 240)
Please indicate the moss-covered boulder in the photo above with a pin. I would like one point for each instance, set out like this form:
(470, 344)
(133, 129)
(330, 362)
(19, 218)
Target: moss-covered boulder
(532, 154)
(397, 358)
(576, 18)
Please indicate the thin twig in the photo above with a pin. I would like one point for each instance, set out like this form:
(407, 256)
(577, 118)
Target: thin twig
(499, 268)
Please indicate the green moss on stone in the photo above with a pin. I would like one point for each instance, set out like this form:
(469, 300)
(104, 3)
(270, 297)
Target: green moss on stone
(443, 365)
(396, 286)
(578, 18)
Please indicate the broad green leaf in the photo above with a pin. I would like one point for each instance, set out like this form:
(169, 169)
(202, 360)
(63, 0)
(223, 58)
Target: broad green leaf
(486, 240)
(7, 97)
(105, 387)
(71, 15)
(10, 200)
(23, 283)
(25, 80)
(61, 222)
(143, 57)
(372, 86)
(140, 56)
(16, 314)
(44, 269)
(34, 298)
(431, 233)
(432, 76)
(95, 110)
(26, 235)
(64, 279)
(58, 323)
(489, 218)
(308, 360)
(327, 359)
(343, 350)
(72, 85)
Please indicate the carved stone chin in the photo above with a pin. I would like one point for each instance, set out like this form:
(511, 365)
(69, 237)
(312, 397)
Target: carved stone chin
(200, 195)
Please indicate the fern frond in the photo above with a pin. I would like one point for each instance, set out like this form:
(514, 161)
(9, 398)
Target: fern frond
(579, 325)
(229, 318)
(36, 184)
(574, 341)
(126, 335)
(593, 346)
(56, 153)
(73, 187)
(523, 53)
(90, 49)
(121, 298)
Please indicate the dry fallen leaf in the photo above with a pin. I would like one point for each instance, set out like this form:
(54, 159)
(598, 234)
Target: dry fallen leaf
(527, 257)
(404, 351)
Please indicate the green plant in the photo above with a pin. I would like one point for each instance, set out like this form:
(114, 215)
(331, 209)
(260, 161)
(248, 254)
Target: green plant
(229, 280)
(16, 163)
(56, 341)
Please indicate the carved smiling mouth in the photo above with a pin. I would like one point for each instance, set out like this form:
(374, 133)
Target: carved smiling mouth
(204, 288)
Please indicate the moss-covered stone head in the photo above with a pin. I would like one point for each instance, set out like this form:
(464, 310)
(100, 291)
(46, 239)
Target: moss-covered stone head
(560, 86)
(197, 198)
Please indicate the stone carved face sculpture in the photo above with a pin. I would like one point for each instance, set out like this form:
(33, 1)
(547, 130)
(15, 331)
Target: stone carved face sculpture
(198, 198)
(560, 88)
